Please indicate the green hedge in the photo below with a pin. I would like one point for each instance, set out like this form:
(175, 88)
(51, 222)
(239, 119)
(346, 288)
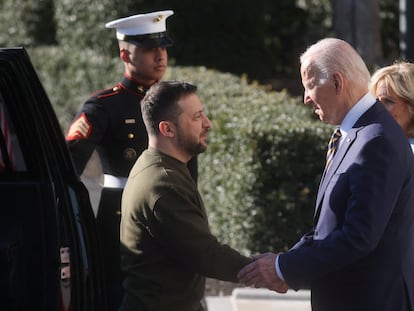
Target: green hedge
(261, 171)
(70, 76)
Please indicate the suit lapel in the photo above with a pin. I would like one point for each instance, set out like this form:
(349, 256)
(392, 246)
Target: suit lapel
(363, 121)
(327, 174)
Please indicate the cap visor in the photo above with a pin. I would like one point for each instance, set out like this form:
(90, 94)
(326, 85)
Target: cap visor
(152, 42)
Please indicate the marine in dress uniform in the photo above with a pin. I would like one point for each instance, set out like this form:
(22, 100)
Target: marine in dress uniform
(110, 121)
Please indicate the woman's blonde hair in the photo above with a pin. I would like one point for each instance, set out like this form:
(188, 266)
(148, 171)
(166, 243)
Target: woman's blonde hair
(400, 78)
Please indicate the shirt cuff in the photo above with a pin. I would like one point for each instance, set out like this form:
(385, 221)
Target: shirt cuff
(278, 271)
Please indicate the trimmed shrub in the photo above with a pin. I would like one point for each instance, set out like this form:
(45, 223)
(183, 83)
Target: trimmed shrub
(70, 76)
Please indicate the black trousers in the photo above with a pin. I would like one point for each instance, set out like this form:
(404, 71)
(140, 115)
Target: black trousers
(108, 220)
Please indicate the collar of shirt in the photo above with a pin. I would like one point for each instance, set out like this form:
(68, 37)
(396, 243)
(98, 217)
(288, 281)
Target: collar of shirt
(411, 141)
(355, 113)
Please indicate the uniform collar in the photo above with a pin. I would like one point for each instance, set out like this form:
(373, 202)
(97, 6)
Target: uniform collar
(132, 85)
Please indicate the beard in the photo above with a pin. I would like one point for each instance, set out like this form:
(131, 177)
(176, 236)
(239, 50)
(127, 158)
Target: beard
(190, 145)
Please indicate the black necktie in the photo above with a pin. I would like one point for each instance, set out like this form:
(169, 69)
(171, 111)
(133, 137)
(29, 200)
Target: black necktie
(332, 146)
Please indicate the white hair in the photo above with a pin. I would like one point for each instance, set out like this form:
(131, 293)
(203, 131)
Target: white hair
(331, 55)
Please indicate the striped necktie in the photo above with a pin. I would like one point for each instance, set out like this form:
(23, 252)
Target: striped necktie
(332, 146)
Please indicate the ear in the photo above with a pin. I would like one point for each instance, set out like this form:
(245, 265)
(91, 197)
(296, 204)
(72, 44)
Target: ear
(124, 55)
(338, 82)
(166, 129)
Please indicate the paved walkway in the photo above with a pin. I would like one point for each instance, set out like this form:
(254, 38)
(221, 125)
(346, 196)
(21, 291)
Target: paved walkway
(250, 299)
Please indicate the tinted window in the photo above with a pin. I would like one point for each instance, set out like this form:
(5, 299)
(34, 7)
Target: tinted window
(10, 153)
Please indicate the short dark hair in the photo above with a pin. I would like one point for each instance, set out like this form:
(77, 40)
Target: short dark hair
(160, 103)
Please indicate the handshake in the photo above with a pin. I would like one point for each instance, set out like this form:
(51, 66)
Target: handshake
(262, 273)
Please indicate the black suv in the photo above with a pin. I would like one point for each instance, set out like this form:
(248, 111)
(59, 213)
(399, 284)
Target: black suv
(48, 248)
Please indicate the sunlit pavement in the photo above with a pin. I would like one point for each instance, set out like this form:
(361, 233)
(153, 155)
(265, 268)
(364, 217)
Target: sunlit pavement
(250, 299)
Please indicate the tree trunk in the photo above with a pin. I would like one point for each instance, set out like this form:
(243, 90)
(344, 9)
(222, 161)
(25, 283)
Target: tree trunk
(358, 23)
(407, 29)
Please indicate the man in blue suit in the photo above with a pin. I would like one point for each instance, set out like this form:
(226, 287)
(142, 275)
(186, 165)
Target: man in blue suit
(360, 254)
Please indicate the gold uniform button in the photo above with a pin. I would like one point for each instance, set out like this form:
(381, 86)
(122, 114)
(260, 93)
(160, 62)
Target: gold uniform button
(131, 135)
(130, 154)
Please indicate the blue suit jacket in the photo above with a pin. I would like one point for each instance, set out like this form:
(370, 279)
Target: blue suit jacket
(360, 255)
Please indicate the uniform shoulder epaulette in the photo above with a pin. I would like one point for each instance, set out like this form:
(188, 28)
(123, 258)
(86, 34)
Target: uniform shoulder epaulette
(107, 92)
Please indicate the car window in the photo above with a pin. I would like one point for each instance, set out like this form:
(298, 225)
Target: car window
(10, 153)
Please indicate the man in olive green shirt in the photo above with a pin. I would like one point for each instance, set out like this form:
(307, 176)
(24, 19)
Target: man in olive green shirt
(167, 248)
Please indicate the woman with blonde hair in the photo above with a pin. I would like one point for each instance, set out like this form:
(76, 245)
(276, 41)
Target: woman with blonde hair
(394, 86)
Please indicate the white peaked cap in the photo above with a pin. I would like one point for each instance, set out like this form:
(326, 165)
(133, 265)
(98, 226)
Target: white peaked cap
(141, 24)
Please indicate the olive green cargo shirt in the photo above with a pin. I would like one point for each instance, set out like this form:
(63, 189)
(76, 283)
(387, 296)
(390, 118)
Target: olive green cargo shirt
(167, 248)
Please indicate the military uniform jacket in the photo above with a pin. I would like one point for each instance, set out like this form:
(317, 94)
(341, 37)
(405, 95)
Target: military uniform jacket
(111, 122)
(167, 248)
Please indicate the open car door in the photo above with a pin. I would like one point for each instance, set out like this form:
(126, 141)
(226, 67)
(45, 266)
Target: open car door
(48, 248)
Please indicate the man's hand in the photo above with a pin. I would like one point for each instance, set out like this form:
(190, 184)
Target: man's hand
(262, 273)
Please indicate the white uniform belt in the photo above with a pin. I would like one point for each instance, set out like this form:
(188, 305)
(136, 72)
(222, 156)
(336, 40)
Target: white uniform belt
(111, 181)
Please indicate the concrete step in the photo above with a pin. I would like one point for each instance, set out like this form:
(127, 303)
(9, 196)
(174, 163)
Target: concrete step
(252, 299)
